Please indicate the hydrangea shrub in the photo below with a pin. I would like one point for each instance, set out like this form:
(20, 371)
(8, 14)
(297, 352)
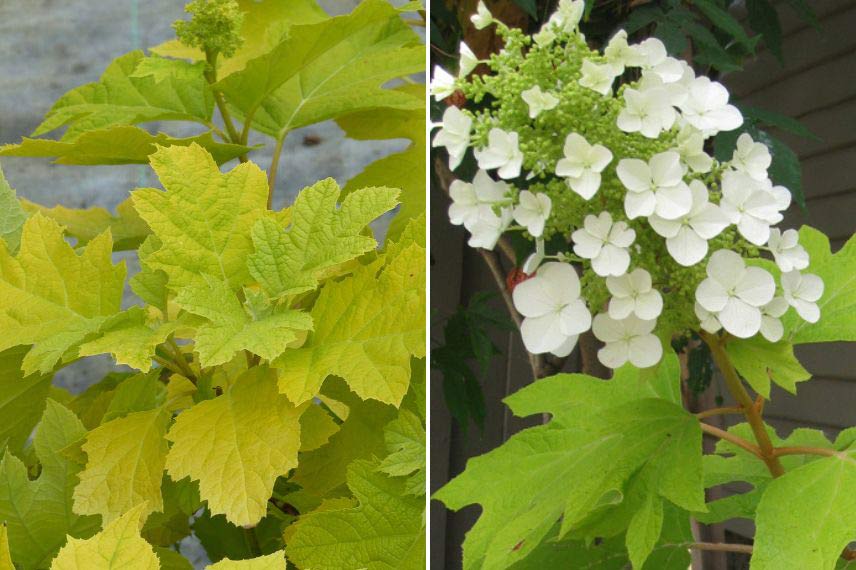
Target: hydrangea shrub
(599, 159)
(271, 395)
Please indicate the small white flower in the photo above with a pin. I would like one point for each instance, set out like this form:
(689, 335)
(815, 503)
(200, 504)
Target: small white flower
(533, 262)
(781, 195)
(482, 18)
(707, 109)
(618, 52)
(708, 320)
(532, 211)
(735, 293)
(655, 187)
(544, 38)
(554, 313)
(488, 226)
(583, 164)
(599, 77)
(771, 326)
(751, 157)
(454, 134)
(467, 198)
(786, 249)
(605, 243)
(686, 237)
(467, 61)
(657, 61)
(749, 205)
(627, 340)
(502, 153)
(539, 101)
(632, 293)
(802, 291)
(648, 112)
(442, 84)
(691, 148)
(568, 15)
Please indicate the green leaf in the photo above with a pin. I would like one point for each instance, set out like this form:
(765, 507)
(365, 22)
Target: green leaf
(818, 500)
(672, 37)
(758, 361)
(767, 118)
(644, 530)
(275, 561)
(321, 236)
(180, 502)
(366, 330)
(129, 338)
(119, 98)
(12, 215)
(236, 445)
(405, 441)
(386, 530)
(764, 19)
(722, 20)
(396, 170)
(119, 144)
(38, 512)
(51, 297)
(139, 393)
(838, 303)
(5, 555)
(202, 222)
(124, 467)
(22, 399)
(231, 328)
(328, 69)
(603, 427)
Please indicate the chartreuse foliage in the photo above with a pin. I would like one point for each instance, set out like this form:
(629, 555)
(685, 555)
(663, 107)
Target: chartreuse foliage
(273, 397)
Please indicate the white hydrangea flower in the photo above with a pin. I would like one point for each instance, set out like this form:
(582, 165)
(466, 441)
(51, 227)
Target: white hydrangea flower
(786, 249)
(539, 101)
(554, 313)
(502, 153)
(488, 226)
(567, 15)
(686, 237)
(467, 61)
(655, 187)
(468, 197)
(532, 211)
(482, 18)
(749, 205)
(771, 327)
(706, 107)
(780, 194)
(690, 145)
(442, 83)
(802, 291)
(735, 293)
(620, 53)
(533, 262)
(454, 134)
(708, 320)
(599, 77)
(627, 340)
(545, 37)
(632, 293)
(605, 243)
(583, 164)
(657, 61)
(751, 157)
(649, 112)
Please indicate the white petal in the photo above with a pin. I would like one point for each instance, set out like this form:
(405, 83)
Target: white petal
(611, 260)
(645, 351)
(687, 248)
(808, 311)
(711, 295)
(754, 230)
(586, 185)
(575, 319)
(637, 204)
(726, 267)
(585, 244)
(600, 157)
(607, 329)
(674, 201)
(772, 329)
(634, 174)
(566, 347)
(663, 227)
(542, 334)
(621, 307)
(740, 319)
(614, 354)
(811, 287)
(621, 235)
(666, 169)
(620, 286)
(649, 305)
(535, 297)
(709, 221)
(757, 287)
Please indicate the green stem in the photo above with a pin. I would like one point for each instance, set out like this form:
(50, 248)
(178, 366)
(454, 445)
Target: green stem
(730, 437)
(805, 450)
(750, 411)
(179, 359)
(167, 364)
(274, 165)
(211, 77)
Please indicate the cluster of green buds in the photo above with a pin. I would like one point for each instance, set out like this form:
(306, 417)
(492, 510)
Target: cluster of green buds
(215, 26)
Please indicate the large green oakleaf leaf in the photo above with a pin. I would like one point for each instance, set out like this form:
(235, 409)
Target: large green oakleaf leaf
(22, 399)
(12, 215)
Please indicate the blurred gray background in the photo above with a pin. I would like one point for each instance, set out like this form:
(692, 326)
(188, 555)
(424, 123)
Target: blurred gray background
(48, 47)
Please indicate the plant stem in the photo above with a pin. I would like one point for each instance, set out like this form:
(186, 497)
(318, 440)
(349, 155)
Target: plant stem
(274, 165)
(805, 450)
(211, 77)
(167, 364)
(730, 437)
(721, 547)
(719, 412)
(178, 358)
(752, 412)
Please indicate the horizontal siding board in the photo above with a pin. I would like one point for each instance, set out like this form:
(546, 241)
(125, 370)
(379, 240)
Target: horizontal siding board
(829, 174)
(828, 215)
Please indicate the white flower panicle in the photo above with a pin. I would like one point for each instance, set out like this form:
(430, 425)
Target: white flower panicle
(657, 227)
